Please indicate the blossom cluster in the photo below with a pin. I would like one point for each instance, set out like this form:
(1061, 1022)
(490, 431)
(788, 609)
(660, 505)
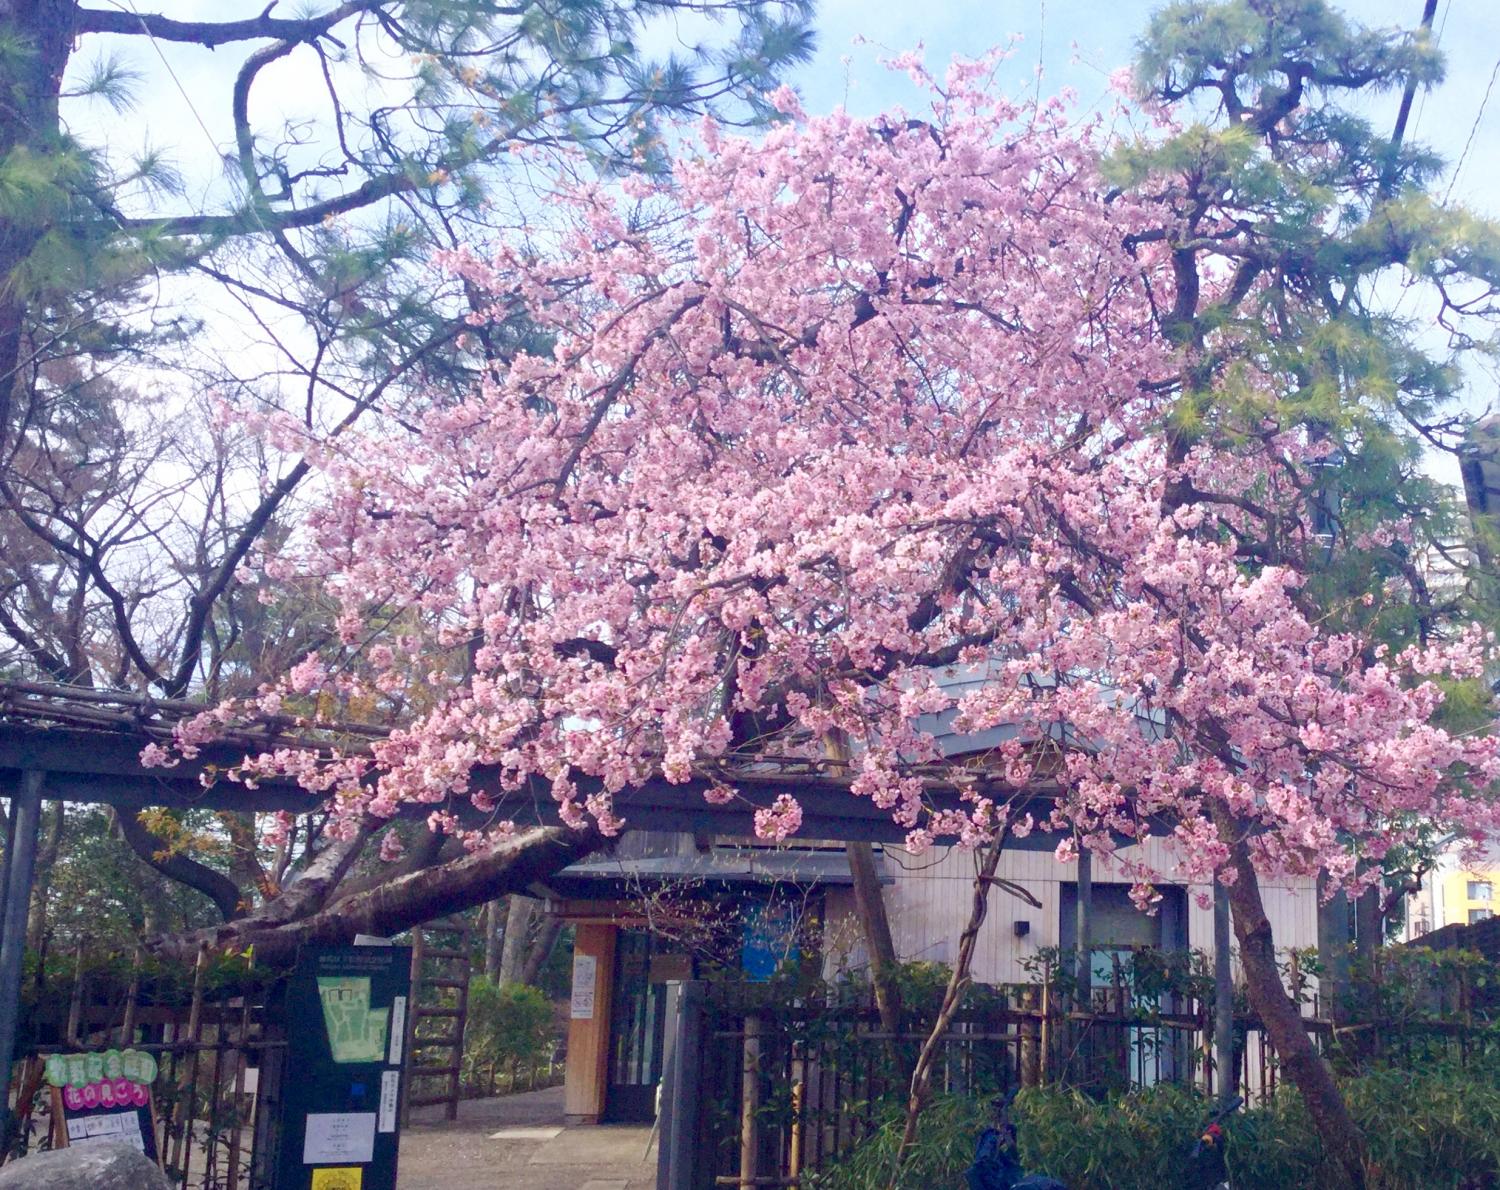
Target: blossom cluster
(822, 421)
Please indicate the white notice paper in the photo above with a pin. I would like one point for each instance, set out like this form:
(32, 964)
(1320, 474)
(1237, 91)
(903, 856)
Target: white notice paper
(398, 1029)
(115, 1128)
(339, 1138)
(585, 973)
(390, 1087)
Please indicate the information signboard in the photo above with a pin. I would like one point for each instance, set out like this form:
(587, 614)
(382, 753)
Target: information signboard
(104, 1098)
(346, 1017)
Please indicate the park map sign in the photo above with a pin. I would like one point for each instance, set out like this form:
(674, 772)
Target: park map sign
(346, 1040)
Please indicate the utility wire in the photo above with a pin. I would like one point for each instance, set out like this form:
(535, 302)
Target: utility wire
(186, 98)
(1473, 131)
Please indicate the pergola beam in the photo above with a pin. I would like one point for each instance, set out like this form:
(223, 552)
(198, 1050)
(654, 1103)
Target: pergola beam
(104, 767)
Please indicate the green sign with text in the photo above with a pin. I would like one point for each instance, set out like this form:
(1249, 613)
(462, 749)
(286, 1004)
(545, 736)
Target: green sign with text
(346, 1039)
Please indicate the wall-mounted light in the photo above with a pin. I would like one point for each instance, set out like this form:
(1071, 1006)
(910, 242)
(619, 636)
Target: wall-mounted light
(1022, 928)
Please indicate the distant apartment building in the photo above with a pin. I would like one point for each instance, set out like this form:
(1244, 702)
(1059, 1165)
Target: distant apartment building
(1452, 894)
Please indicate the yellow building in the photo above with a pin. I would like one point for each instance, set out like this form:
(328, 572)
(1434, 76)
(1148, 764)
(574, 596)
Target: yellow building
(1454, 896)
(1469, 896)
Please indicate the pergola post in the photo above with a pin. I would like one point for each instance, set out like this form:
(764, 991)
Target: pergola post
(1223, 997)
(20, 870)
(1084, 934)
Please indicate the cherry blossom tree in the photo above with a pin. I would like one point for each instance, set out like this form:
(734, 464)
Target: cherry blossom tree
(825, 415)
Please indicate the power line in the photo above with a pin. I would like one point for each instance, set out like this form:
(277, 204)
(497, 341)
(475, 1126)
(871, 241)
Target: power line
(1473, 131)
(129, 7)
(186, 98)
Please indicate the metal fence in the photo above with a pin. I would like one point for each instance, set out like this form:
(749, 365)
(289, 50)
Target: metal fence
(765, 1094)
(219, 1058)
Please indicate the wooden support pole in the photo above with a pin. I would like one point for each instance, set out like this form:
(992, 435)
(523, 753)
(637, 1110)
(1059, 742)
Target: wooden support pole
(750, 1105)
(1223, 997)
(1083, 921)
(20, 871)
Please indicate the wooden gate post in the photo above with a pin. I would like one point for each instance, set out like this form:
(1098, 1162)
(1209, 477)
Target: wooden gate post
(681, 1099)
(750, 1104)
(1029, 1058)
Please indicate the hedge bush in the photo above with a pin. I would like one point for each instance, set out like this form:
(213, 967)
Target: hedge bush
(512, 1027)
(1434, 1129)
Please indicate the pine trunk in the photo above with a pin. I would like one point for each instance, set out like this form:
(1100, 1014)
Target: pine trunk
(38, 37)
(517, 935)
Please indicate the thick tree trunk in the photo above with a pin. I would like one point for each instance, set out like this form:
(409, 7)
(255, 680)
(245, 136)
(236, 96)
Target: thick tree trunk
(1280, 1016)
(245, 868)
(494, 913)
(38, 35)
(212, 883)
(541, 949)
(517, 934)
(398, 904)
(869, 904)
(875, 925)
(1369, 933)
(46, 859)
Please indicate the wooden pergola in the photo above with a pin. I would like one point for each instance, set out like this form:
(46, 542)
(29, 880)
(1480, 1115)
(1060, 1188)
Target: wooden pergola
(84, 745)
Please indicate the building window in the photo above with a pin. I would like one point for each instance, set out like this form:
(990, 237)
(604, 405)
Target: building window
(1479, 915)
(1479, 890)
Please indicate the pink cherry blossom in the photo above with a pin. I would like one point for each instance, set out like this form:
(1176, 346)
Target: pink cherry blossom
(813, 429)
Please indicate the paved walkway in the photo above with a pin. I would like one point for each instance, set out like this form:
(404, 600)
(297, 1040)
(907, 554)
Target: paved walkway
(518, 1142)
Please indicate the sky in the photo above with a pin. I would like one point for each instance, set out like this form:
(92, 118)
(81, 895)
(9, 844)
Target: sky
(1075, 43)
(1079, 43)
(183, 105)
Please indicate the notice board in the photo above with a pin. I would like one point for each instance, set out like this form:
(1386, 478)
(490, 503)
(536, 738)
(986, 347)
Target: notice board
(346, 1040)
(104, 1097)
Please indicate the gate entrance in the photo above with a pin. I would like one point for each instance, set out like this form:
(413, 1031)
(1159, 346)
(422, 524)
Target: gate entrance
(637, 1029)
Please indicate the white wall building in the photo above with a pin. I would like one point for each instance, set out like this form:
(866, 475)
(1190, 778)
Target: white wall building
(930, 897)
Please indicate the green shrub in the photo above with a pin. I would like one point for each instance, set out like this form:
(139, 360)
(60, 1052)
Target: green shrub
(1140, 1139)
(511, 1027)
(1433, 1129)
(945, 1147)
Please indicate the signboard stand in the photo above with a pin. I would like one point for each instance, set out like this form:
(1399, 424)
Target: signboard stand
(104, 1097)
(136, 1127)
(345, 1012)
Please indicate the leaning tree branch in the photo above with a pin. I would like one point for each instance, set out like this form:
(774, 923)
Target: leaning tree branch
(509, 865)
(256, 220)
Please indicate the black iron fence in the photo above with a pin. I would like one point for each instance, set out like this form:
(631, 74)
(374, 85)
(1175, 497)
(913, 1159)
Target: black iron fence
(764, 1094)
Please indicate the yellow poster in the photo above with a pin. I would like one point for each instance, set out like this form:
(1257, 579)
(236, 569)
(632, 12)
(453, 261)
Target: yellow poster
(344, 1177)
